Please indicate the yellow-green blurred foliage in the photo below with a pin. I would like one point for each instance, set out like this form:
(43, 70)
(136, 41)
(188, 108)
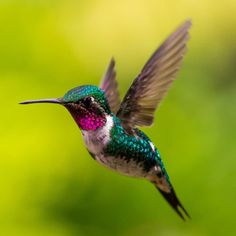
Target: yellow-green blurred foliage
(49, 184)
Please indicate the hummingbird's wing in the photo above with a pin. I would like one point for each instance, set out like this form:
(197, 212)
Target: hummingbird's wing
(110, 87)
(152, 84)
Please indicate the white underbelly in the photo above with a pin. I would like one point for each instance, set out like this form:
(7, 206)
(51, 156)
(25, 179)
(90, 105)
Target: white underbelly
(130, 168)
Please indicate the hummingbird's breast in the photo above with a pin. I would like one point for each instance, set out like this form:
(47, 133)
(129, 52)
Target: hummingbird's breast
(95, 141)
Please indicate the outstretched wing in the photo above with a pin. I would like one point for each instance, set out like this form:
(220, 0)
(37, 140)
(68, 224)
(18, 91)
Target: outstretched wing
(152, 84)
(110, 87)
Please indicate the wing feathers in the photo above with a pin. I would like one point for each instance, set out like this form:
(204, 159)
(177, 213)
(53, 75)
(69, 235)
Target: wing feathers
(110, 87)
(156, 77)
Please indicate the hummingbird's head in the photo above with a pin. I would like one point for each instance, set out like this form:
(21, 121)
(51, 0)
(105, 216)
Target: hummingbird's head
(87, 104)
(87, 96)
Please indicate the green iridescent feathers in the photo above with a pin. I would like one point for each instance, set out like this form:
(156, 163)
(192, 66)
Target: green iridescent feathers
(129, 145)
(132, 147)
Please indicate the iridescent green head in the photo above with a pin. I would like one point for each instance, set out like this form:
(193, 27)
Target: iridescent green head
(87, 104)
(86, 92)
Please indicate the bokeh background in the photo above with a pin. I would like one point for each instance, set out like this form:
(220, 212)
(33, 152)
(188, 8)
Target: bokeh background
(49, 185)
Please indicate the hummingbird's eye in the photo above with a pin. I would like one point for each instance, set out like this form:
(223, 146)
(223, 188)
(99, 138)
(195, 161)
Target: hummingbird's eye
(88, 101)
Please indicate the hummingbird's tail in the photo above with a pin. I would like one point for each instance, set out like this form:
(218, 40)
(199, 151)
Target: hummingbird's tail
(167, 191)
(172, 199)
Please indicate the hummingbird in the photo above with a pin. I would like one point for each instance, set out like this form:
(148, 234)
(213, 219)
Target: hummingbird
(110, 128)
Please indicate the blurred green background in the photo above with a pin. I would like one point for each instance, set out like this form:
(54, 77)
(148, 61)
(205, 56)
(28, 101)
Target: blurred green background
(49, 184)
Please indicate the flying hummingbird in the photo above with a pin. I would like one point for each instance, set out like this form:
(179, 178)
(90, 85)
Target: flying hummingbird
(109, 127)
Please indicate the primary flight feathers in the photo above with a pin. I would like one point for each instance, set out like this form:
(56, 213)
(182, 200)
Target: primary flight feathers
(151, 85)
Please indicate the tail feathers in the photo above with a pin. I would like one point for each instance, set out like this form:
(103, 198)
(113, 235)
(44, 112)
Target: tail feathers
(164, 186)
(172, 199)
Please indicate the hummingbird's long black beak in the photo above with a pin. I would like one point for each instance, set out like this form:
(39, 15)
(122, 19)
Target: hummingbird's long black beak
(49, 100)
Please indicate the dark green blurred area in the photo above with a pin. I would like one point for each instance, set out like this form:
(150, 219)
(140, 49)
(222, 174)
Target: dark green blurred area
(49, 183)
